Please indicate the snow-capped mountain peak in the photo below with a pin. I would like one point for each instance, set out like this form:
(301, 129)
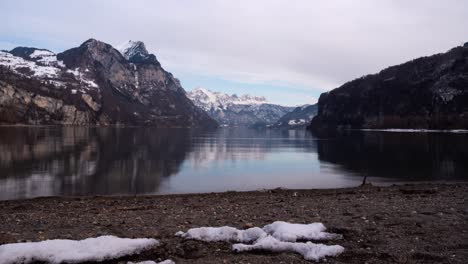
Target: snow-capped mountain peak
(208, 95)
(135, 51)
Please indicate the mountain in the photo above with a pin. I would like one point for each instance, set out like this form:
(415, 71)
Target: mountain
(93, 84)
(299, 117)
(429, 92)
(233, 110)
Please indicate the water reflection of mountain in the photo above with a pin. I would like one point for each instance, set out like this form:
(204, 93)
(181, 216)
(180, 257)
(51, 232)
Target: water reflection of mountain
(78, 160)
(237, 144)
(403, 156)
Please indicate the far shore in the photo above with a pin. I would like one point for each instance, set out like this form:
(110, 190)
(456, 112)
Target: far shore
(414, 223)
(397, 130)
(416, 130)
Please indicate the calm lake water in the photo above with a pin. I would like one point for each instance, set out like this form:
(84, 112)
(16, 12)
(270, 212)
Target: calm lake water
(49, 161)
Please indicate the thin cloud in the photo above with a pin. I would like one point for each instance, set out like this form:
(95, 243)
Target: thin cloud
(314, 44)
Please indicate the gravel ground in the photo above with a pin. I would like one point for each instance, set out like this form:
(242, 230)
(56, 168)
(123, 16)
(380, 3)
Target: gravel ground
(423, 223)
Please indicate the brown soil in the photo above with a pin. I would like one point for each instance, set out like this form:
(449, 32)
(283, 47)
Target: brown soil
(425, 223)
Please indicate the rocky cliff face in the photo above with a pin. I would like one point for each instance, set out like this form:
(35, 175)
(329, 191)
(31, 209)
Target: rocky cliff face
(429, 92)
(233, 110)
(93, 84)
(297, 118)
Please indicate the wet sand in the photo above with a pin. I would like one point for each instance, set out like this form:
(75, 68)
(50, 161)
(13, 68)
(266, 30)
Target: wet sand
(422, 223)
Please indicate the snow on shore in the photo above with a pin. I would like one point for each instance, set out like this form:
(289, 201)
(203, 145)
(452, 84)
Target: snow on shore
(278, 236)
(224, 233)
(309, 250)
(288, 232)
(73, 251)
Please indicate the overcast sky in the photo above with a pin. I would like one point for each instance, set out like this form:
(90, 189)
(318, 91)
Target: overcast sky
(288, 51)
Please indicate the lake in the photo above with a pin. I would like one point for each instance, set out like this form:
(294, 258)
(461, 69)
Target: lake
(76, 161)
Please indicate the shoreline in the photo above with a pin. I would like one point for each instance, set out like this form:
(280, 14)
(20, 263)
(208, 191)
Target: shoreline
(372, 182)
(397, 130)
(369, 183)
(381, 224)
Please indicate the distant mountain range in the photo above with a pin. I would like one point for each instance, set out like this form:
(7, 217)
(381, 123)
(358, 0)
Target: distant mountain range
(429, 93)
(233, 110)
(299, 117)
(93, 84)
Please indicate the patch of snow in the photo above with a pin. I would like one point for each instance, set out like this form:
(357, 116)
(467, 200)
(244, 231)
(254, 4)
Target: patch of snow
(74, 251)
(75, 72)
(91, 83)
(309, 250)
(447, 93)
(278, 236)
(41, 53)
(224, 233)
(167, 261)
(45, 57)
(61, 64)
(137, 84)
(49, 60)
(285, 231)
(16, 63)
(79, 76)
(293, 122)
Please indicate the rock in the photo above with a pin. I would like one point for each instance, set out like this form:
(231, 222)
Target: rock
(51, 105)
(89, 101)
(248, 225)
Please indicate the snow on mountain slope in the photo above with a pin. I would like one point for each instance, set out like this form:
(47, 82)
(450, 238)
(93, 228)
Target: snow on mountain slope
(43, 65)
(93, 84)
(26, 67)
(46, 57)
(208, 100)
(234, 110)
